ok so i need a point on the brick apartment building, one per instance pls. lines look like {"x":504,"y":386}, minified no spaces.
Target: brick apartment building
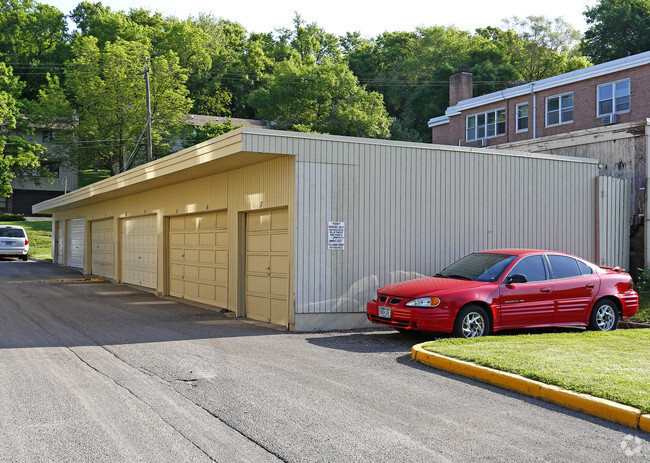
{"x":600,"y":112}
{"x":608,"y":93}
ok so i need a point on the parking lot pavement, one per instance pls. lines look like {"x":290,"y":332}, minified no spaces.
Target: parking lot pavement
{"x":95,"y":371}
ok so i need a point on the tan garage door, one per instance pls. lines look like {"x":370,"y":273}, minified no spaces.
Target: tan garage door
{"x":198,"y":251}
{"x":140,"y":251}
{"x":267,"y":266}
{"x":102,"y":248}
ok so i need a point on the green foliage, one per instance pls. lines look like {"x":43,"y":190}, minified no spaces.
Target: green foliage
{"x":11,"y":217}
{"x":88,"y":176}
{"x":617,"y":28}
{"x":329,"y":100}
{"x":18,"y":156}
{"x":207,"y":131}
{"x":109,"y":91}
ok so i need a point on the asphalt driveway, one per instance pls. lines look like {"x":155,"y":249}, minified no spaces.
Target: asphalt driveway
{"x":95,"y":371}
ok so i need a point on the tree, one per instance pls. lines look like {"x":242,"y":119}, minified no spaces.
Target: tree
{"x":617,"y":28}
{"x":196,"y":135}
{"x":109,"y":93}
{"x":18,"y":156}
{"x":325,"y":98}
{"x":32,"y":35}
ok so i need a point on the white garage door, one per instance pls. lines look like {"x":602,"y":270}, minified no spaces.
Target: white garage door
{"x":140,"y":251}
{"x":267,"y":266}
{"x":198,"y":250}
{"x":102,"y":248}
{"x":76,"y":242}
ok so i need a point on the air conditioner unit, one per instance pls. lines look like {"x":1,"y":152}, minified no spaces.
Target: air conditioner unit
{"x":481,"y":142}
{"x":609,"y":119}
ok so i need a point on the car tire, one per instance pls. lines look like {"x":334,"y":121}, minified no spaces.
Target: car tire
{"x":24,"y":257}
{"x":604,"y":316}
{"x":472,"y":322}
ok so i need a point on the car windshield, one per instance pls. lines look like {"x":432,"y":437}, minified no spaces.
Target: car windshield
{"x":11,"y":233}
{"x":480,"y":266}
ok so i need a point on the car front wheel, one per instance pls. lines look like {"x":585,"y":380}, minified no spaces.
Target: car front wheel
{"x":604,"y":316}
{"x":472,"y":322}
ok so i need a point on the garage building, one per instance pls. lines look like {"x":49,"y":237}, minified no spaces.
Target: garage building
{"x":300,"y":229}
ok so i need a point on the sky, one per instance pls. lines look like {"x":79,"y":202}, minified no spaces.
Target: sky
{"x":368,"y":18}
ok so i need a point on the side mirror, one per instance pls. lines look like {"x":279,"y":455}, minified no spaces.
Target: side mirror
{"x":516,"y":278}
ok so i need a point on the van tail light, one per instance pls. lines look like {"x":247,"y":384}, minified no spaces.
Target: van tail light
{"x":26,"y":241}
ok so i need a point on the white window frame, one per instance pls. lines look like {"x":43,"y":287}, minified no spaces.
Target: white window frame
{"x":517,"y":118}
{"x":560,"y":97}
{"x":613,"y":84}
{"x":495,"y":113}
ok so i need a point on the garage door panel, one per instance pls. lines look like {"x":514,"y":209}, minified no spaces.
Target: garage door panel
{"x":207,"y":257}
{"x":207,"y":239}
{"x":257,"y":263}
{"x":102,"y":248}
{"x":76,"y":243}
{"x":279,"y":264}
{"x":140,"y":251}
{"x":279,"y":312}
{"x":176,"y":270}
{"x":267,"y":266}
{"x":191,"y":255}
{"x":280,"y":219}
{"x":196,"y":248}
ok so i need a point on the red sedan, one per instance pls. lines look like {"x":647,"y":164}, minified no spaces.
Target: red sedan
{"x":502,"y":289}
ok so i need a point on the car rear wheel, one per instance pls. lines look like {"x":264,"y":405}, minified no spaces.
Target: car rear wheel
{"x":472,"y":322}
{"x":604,"y":316}
{"x":24,"y":257}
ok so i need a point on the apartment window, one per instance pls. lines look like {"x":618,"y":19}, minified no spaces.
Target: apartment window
{"x":48,"y":136}
{"x":486,"y":125}
{"x":522,"y":117}
{"x":3,"y":203}
{"x":614,"y":98}
{"x":559,"y":109}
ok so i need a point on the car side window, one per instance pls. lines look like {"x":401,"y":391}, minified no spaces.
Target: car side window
{"x":531,"y":267}
{"x":564,"y":267}
{"x":586,"y":270}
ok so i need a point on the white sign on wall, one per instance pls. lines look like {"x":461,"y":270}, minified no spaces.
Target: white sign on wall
{"x":336,"y":236}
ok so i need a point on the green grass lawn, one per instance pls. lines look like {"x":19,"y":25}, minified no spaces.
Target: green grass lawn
{"x":613,"y":365}
{"x":86,"y":177}
{"x":40,"y":237}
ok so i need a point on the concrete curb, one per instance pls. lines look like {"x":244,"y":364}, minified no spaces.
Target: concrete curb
{"x":602,"y":408}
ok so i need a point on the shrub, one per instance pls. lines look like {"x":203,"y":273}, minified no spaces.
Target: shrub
{"x":5,"y":217}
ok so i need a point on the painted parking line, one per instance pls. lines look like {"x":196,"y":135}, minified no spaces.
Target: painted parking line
{"x":75,"y":280}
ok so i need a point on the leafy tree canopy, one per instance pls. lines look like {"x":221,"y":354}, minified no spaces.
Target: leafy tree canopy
{"x":617,"y":28}
{"x":196,"y":135}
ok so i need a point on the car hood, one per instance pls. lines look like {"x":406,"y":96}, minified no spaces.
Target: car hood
{"x":428,"y":286}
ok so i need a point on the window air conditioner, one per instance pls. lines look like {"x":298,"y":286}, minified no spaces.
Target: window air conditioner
{"x":481,"y":142}
{"x":610,"y":119}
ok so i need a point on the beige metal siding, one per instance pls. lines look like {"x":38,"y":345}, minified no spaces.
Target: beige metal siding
{"x":102,"y":247}
{"x":140,"y":251}
{"x":614,"y":217}
{"x":410,"y":212}
{"x":60,"y":242}
{"x":198,"y":254}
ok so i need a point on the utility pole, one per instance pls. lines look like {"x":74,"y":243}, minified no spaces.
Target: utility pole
{"x":149,"y":139}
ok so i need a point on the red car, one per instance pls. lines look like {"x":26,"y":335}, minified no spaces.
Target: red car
{"x":502,"y":289}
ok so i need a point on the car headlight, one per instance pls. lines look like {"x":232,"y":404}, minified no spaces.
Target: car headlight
{"x":424,"y":302}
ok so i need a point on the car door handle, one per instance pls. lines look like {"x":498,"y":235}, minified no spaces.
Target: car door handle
{"x":590,"y":285}
{"x":545,"y":290}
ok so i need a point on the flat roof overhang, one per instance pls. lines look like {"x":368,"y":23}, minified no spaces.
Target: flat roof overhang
{"x":213,"y":156}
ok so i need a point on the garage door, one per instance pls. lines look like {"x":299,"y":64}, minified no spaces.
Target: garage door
{"x":199,"y":257}
{"x":76,"y":242}
{"x":102,"y":248}
{"x":140,"y":251}
{"x":267,"y":266}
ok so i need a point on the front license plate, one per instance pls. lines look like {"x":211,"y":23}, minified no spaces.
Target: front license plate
{"x":384,"y":312}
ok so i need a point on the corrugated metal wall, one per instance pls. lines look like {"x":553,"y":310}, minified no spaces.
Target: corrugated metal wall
{"x":614,"y":218}
{"x":409,"y":211}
